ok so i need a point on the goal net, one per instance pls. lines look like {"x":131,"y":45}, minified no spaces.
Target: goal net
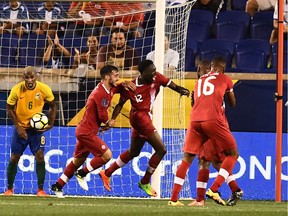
{"x":57,"y":40}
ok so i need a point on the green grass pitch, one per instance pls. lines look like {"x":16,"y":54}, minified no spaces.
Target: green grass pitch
{"x":32,"y":205}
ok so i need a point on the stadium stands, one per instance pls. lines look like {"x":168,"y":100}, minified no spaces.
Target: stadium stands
{"x":216,"y":47}
{"x":238,"y":5}
{"x":200,"y":23}
{"x":190,"y":56}
{"x":262,"y":25}
{"x":232,"y":25}
{"x":275,"y":55}
{"x":252,"y":55}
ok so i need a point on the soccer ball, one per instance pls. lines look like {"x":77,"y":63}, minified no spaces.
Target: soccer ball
{"x":39,"y":121}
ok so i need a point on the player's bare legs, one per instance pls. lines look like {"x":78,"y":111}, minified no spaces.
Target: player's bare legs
{"x":180,"y":178}
{"x":134,"y":150}
{"x":160,"y":150}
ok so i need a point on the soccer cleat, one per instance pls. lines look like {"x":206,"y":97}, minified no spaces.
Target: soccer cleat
{"x":234,"y":198}
{"x":42,"y":193}
{"x":82,"y":181}
{"x":57,"y":190}
{"x":177,"y":203}
{"x":195,"y":203}
{"x":105,"y":179}
{"x":215,"y":196}
{"x":147,"y":189}
{"x":9,"y":192}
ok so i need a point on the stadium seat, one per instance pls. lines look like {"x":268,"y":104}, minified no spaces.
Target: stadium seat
{"x":143,"y":46}
{"x":31,"y":50}
{"x":262,"y":25}
{"x":149,"y":23}
{"x":238,"y":5}
{"x":198,"y":31}
{"x":275,"y":55}
{"x":232,"y":25}
{"x":216,"y":47}
{"x":199,"y":26}
{"x":252,"y":54}
{"x":8,"y":50}
{"x":190,"y":55}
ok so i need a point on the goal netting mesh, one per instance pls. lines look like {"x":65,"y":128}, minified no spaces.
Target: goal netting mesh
{"x":53,"y":38}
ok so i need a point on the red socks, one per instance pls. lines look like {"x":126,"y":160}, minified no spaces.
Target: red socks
{"x":179,"y":180}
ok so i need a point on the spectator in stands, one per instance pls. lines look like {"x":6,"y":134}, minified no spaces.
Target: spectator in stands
{"x":14,"y":11}
{"x":274,"y":33}
{"x":118,"y":53}
{"x":88,"y":56}
{"x":61,"y":56}
{"x":171,"y":57}
{"x":131,"y":23}
{"x":47,"y":12}
{"x":252,"y":6}
{"x":213,"y":5}
{"x":87,"y":10}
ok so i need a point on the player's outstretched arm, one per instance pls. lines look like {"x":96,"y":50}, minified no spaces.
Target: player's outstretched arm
{"x":118,"y":108}
{"x":181,"y":90}
{"x":231,"y":98}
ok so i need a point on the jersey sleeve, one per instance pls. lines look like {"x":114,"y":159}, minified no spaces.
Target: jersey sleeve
{"x":229,"y":84}
{"x":102,"y":103}
{"x":48,"y":93}
{"x":163,"y":80}
{"x":13,"y":97}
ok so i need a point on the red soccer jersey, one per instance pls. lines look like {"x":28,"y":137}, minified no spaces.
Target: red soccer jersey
{"x":97,"y":107}
{"x":209,"y":94}
{"x":142,"y":99}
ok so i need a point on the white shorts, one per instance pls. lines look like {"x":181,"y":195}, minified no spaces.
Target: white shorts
{"x":266,"y":4}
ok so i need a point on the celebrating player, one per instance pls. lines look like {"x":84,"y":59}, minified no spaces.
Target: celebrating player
{"x":86,"y":132}
{"x":148,"y":85}
{"x":208,"y":121}
{"x":27,"y":98}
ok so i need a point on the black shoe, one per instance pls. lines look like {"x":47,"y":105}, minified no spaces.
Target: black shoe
{"x":234,"y":198}
{"x":57,"y":189}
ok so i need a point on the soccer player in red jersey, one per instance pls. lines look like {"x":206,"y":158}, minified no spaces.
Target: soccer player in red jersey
{"x":86,"y":132}
{"x":208,"y":121}
{"x":147,"y":87}
{"x":209,"y":154}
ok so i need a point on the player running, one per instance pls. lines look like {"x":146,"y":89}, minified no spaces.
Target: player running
{"x":147,"y":87}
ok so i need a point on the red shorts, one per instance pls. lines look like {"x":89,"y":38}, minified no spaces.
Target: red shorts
{"x":88,"y":142}
{"x":216,"y":130}
{"x":142,"y":125}
{"x":209,"y":153}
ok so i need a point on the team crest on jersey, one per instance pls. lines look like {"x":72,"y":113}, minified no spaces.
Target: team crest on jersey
{"x":105,"y":102}
{"x":37,"y":95}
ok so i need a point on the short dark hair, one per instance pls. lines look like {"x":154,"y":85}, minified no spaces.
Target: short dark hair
{"x":218,"y":59}
{"x":106,"y":70}
{"x":143,"y":65}
{"x":118,"y":30}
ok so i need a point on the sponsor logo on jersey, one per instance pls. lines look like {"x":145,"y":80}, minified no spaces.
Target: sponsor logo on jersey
{"x":37,"y":95}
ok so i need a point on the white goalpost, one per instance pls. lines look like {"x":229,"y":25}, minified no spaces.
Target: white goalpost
{"x":72,"y":83}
